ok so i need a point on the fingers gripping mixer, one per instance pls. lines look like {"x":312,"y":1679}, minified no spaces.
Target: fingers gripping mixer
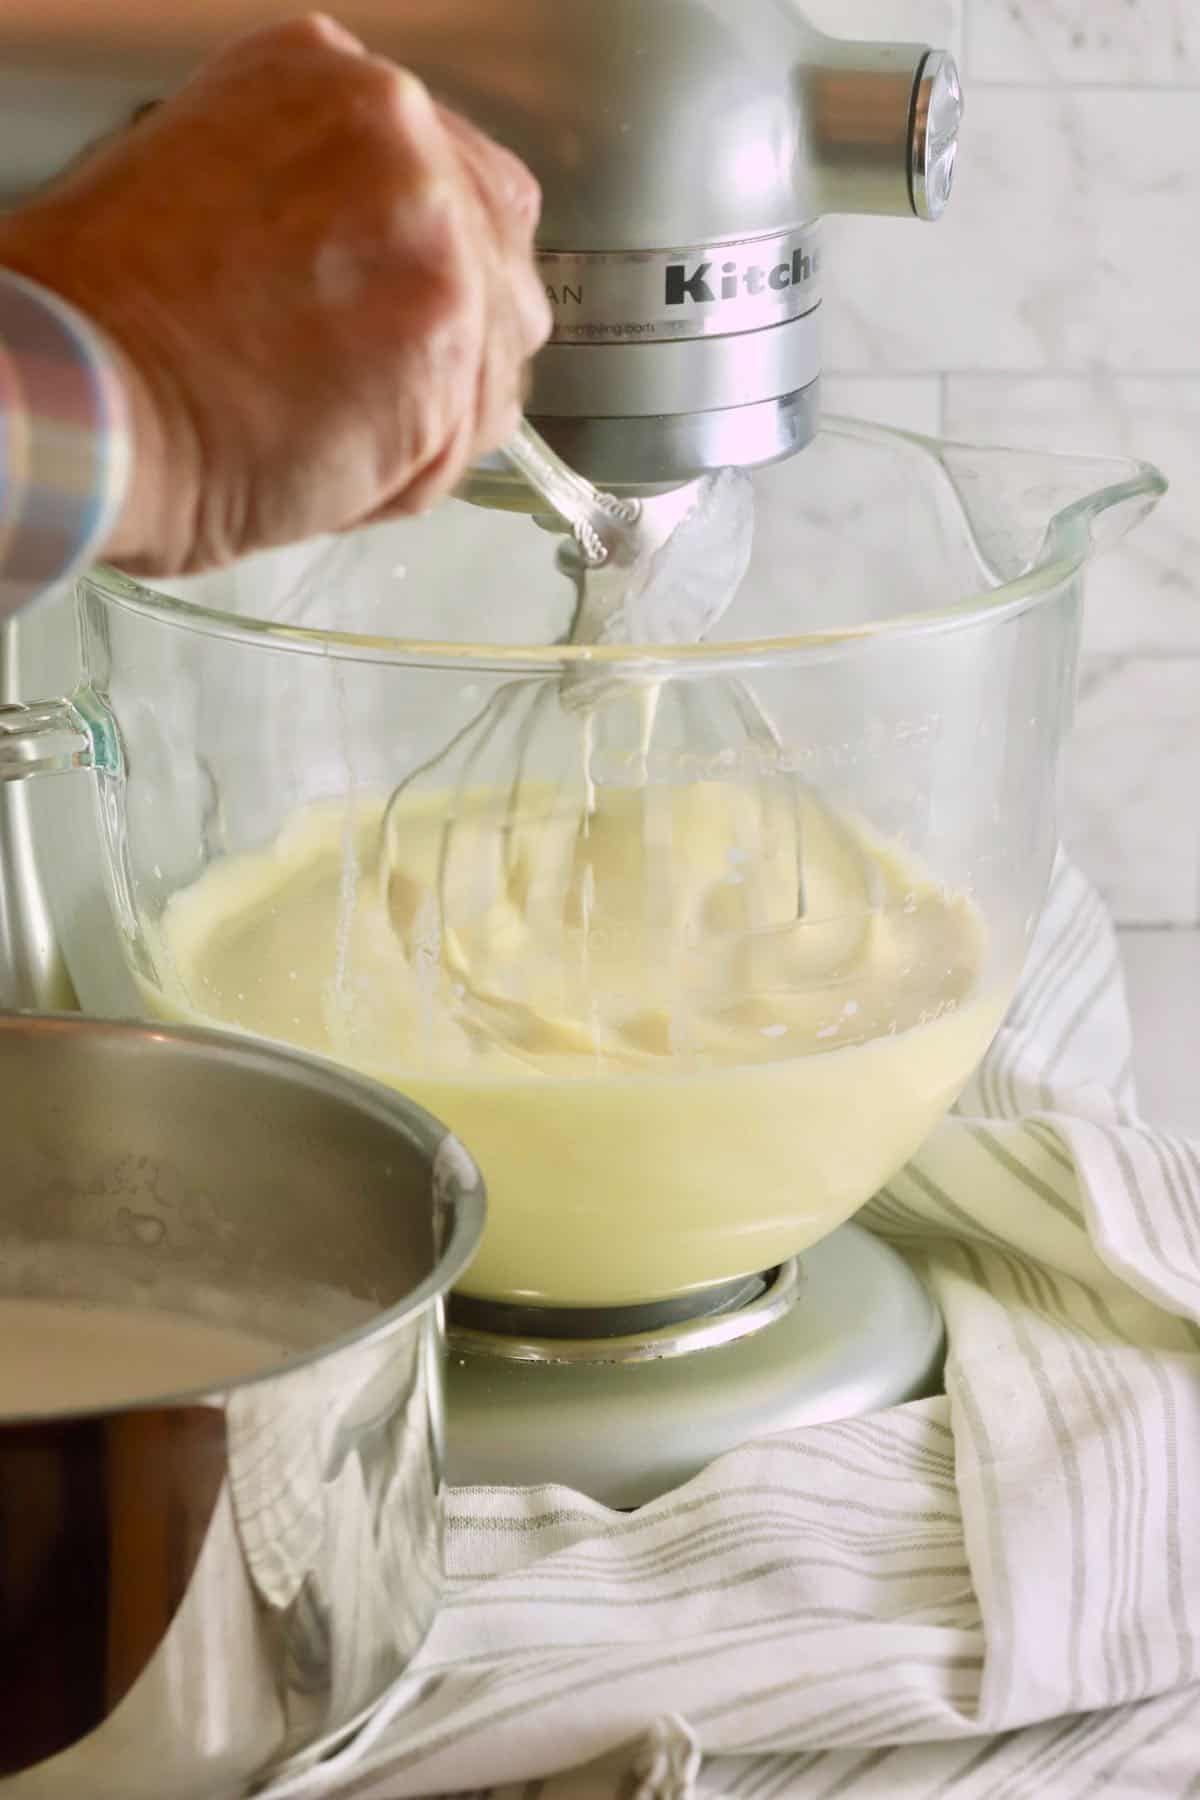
{"x":687,"y":150}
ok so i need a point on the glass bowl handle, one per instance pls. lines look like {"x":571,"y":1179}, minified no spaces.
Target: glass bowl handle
{"x":44,"y":737}
{"x":34,"y":740}
{"x":49,"y":737}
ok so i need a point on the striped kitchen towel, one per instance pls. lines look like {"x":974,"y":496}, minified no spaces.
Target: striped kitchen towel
{"x":994,"y":1593}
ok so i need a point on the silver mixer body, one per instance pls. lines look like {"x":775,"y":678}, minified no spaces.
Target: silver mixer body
{"x":686,"y":149}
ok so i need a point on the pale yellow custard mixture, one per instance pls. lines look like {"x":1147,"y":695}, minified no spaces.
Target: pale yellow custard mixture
{"x":666,"y":1079}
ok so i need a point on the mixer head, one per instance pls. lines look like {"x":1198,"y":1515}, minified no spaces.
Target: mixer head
{"x":686,"y":149}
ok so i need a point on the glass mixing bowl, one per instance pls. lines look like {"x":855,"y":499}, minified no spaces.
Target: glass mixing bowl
{"x":699,"y":962}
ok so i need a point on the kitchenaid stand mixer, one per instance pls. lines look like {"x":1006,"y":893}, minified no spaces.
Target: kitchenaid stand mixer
{"x":686,"y":151}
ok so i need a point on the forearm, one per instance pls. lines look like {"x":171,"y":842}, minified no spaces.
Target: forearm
{"x":64,"y":442}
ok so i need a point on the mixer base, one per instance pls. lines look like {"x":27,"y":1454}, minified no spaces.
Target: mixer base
{"x":862,"y":1335}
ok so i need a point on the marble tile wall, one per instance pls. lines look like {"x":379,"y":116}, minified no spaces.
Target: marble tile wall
{"x":1058,"y":305}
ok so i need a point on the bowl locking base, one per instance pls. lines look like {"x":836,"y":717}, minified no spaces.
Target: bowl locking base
{"x":626,"y":1414}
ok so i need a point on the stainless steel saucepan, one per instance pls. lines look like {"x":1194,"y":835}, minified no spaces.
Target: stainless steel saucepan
{"x":198,"y":1588}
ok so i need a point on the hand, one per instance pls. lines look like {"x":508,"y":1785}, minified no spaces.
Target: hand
{"x":320,"y":286}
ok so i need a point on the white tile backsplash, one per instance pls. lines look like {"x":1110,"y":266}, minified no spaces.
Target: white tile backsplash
{"x":1124,"y":42}
{"x":1143,"y":597}
{"x":934,"y":22}
{"x":1058,"y":305}
{"x":1131,"y":784}
{"x":907,"y":402}
{"x":1162,"y":986}
{"x":1069,"y":245}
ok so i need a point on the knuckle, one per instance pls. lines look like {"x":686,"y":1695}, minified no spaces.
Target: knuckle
{"x":314,"y":26}
{"x":391,"y":111}
{"x":447,"y":299}
{"x":312,"y":30}
{"x":402,"y":100}
{"x":499,"y":169}
{"x":399,"y":171}
{"x":512,"y":183}
{"x":320,"y":30}
{"x":441,"y":301}
{"x":525,"y":191}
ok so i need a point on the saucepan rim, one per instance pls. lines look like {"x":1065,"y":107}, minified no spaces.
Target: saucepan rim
{"x":448,"y":1161}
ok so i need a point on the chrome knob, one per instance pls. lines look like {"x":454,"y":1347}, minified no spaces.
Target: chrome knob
{"x":937,"y":115}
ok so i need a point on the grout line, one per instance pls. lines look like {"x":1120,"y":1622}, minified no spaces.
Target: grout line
{"x":1158,"y":928}
{"x":1129,"y":86}
{"x":1068,"y":374}
{"x":1174,"y":376}
{"x":1142,"y":654}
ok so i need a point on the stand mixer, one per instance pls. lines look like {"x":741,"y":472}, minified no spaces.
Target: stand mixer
{"x":686,"y":151}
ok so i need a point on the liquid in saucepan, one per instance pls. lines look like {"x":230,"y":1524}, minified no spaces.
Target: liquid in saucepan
{"x":69,"y":1355}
